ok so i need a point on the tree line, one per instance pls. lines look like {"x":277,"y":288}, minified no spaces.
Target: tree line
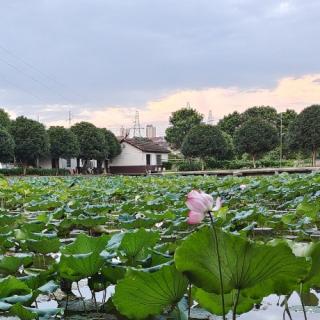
{"x":25,"y":141}
{"x":255,"y":132}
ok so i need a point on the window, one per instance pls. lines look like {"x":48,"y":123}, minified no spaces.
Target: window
{"x":69,"y":163}
{"x":148,"y":159}
{"x":159,"y":160}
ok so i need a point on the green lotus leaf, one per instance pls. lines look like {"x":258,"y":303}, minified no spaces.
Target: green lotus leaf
{"x":78,"y":266}
{"x":44,"y":246}
{"x":113,"y":273}
{"x":86,"y":244}
{"x":244,"y":264}
{"x":49,"y":287}
{"x":135,"y":245}
{"x":18,"y":299}
{"x":23,"y":313}
{"x":12,"y":286}
{"x":26,"y":313}
{"x":141,"y":293}
{"x":212,"y":301}
{"x":11,"y":264}
{"x":311,"y":251}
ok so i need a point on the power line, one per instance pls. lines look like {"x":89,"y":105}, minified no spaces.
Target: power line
{"x":29,"y":76}
{"x":47,"y":76}
{"x":23,"y":90}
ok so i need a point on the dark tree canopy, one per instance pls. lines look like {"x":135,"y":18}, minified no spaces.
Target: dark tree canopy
{"x":31,"y":140}
{"x":63,"y":143}
{"x":205,"y":141}
{"x":230,"y":122}
{"x":91,"y":141}
{"x":266,"y":113}
{"x":305,"y":132}
{"x":6,"y":146}
{"x":5,"y":121}
{"x":112,"y":144}
{"x":256,"y":137}
{"x":181,"y":121}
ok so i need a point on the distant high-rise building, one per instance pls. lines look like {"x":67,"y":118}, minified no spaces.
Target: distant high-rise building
{"x":151,"y":131}
{"x":210,"y":118}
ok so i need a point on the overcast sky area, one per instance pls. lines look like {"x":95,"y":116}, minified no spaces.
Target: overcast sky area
{"x":104,"y":59}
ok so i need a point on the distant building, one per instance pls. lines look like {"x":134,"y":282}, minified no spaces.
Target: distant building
{"x":151,"y":131}
{"x":139,"y":155}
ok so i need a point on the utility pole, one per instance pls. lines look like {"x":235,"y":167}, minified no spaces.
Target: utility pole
{"x":281,"y":131}
{"x":70,"y":118}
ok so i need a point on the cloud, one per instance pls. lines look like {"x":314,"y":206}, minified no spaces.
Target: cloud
{"x":125,"y":53}
{"x":289,"y":93}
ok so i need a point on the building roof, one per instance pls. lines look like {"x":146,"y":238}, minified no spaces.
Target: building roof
{"x":146,"y":145}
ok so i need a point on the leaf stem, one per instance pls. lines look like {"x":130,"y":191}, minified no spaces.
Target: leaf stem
{"x":189,"y":301}
{"x":82,"y":298}
{"x":219,"y":266}
{"x":302,"y":303}
{"x":234,"y":310}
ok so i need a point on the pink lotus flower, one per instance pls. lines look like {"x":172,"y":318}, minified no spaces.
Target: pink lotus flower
{"x":199,"y":204}
{"x":242,"y":186}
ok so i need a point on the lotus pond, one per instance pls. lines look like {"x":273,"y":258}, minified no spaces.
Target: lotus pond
{"x":121,"y":248}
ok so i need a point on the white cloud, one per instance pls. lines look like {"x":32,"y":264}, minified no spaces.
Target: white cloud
{"x":290,"y":92}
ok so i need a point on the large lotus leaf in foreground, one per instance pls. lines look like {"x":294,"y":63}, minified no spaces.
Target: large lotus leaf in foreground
{"x":135,"y":245}
{"x":143,"y":293}
{"x":212,"y":301}
{"x":244,"y":264}
{"x":82,"y":258}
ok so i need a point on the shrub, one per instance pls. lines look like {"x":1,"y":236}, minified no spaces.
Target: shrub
{"x":35,"y":172}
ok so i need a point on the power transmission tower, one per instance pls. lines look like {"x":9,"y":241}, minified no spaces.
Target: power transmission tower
{"x":210,"y":118}
{"x":136,"y":125}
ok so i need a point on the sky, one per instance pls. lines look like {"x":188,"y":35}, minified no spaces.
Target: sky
{"x":106,"y":59}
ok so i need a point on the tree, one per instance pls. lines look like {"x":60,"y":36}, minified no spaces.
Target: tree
{"x":205,"y":141}
{"x":265,"y":113}
{"x":5,"y":121}
{"x":91,"y":141}
{"x":31,"y":141}
{"x":63,"y":144}
{"x":256,"y":137}
{"x":181,"y":122}
{"x":113,"y":145}
{"x":6,"y":146}
{"x":230,"y":123}
{"x":305,"y":132}
{"x":112,"y":148}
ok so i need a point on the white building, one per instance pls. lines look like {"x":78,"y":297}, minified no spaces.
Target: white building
{"x":70,"y":163}
{"x":139,"y":155}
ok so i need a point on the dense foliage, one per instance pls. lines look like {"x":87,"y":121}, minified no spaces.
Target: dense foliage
{"x":131,"y":234}
{"x":205,"y":141}
{"x":5,"y":121}
{"x":63,"y":144}
{"x":31,"y":140}
{"x":6,"y":146}
{"x":181,"y":122}
{"x":91,"y":141}
{"x":256,"y":137}
{"x":305,"y":132}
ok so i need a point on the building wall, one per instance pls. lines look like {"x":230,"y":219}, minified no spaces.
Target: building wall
{"x":45,"y":163}
{"x":130,"y":156}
